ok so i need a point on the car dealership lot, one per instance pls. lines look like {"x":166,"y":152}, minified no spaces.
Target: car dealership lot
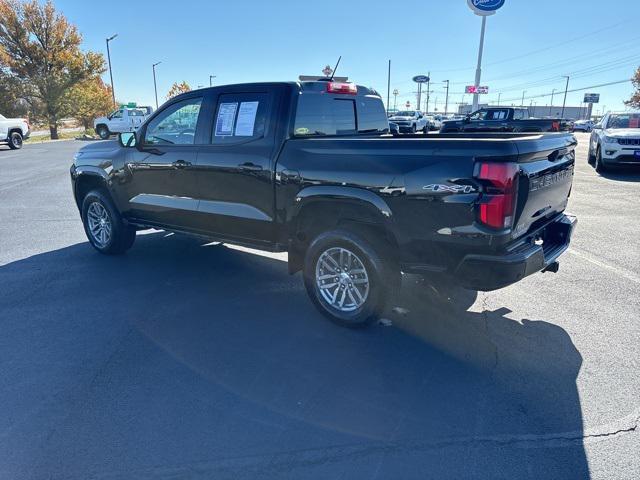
{"x":184,"y":360}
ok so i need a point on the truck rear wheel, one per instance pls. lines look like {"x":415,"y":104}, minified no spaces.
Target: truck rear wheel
{"x":346,"y":278}
{"x":103,"y":132}
{"x":15,"y":140}
{"x":103,"y":225}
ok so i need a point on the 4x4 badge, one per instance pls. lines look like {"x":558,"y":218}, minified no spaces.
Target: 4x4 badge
{"x":438,"y":188}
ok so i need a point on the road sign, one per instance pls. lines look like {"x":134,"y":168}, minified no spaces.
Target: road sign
{"x":591,"y":98}
{"x":408,"y":104}
{"x":485,"y":7}
{"x":421,"y":79}
{"x":482,"y":90}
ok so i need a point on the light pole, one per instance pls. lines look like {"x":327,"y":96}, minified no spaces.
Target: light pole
{"x":388,"y":84}
{"x":446,"y":100}
{"x":113,"y":90}
{"x":499,"y":95}
{"x":522,"y":102}
{"x":211,"y":77}
{"x":395,"y":99}
{"x":155,"y":85}
{"x":566,"y":87}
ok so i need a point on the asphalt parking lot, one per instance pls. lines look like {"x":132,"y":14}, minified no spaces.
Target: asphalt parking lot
{"x":186,"y":360}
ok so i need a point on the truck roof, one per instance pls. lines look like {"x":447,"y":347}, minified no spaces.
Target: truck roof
{"x":306,"y":86}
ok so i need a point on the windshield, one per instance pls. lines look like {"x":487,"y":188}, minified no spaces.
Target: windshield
{"x":405,"y":114}
{"x":624,"y":120}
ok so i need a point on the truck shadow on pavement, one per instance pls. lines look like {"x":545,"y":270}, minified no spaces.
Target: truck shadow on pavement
{"x":183,"y":360}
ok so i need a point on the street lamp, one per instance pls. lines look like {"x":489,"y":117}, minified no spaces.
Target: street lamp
{"x":211,"y":77}
{"x":499,"y":95}
{"x":522,"y":102}
{"x":155,"y":85}
{"x":113,"y":90}
{"x":395,"y":99}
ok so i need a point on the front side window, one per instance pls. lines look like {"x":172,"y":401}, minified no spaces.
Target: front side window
{"x":479,"y":115}
{"x":176,"y":125}
{"x":497,"y":115}
{"x":117,"y":114}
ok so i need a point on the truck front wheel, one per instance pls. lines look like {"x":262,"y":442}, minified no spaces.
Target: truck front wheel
{"x":15,"y":140}
{"x":103,"y":132}
{"x":346,"y":278}
{"x":104,"y":226}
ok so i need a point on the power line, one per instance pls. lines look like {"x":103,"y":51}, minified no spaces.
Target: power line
{"x":570,"y":91}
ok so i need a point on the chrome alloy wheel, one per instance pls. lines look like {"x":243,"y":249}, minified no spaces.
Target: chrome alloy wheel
{"x":342,"y":279}
{"x":99,"y":224}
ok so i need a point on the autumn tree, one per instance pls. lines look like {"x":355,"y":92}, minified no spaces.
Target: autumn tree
{"x":40,"y":46}
{"x":634,"y":101}
{"x":177,"y":89}
{"x":87,"y":100}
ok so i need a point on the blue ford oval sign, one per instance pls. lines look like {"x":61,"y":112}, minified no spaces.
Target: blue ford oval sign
{"x":421,"y":79}
{"x":485,"y":7}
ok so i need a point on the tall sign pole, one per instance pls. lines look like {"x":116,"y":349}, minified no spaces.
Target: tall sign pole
{"x":155,"y":85}
{"x":483,"y":8}
{"x":420,"y":79}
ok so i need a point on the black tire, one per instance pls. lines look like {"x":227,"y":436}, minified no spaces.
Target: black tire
{"x":121,"y":236}
{"x":425,"y":130}
{"x":103,"y":132}
{"x":413,"y":128}
{"x":599,"y":165}
{"x":381,"y":278}
{"x":590,"y":156}
{"x":15,"y":140}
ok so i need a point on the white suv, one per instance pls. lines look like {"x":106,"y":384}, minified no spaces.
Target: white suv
{"x":615,"y":140}
{"x":13,"y":131}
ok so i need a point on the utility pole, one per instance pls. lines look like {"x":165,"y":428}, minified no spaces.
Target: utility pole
{"x":446,"y":101}
{"x":499,"y":95}
{"x":522,"y":102}
{"x":211,"y":77}
{"x":388,"y":85}
{"x":479,"y":66}
{"x":155,"y":85}
{"x":113,"y":90}
{"x":566,"y":87}
{"x":551,"y":106}
{"x":395,"y":100}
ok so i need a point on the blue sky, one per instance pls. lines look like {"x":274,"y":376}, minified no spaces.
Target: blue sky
{"x":529,"y":45}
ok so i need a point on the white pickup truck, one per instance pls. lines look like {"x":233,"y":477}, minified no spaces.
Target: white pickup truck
{"x":125,"y":119}
{"x":13,"y":131}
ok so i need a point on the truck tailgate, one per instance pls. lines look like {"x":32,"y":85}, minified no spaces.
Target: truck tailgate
{"x":546,"y":174}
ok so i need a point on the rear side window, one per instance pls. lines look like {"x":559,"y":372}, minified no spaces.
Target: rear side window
{"x":496,"y":115}
{"x":322,"y":114}
{"x":240,"y":117}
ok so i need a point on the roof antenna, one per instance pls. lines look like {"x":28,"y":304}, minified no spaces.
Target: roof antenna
{"x":335,"y":68}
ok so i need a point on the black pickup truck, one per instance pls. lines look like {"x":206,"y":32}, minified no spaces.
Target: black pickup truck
{"x":310,"y":168}
{"x":504,"y":119}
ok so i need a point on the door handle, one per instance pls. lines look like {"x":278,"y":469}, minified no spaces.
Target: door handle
{"x":250,"y":167}
{"x":180,"y":164}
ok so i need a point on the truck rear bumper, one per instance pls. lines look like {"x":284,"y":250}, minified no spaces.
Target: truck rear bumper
{"x":491,"y":272}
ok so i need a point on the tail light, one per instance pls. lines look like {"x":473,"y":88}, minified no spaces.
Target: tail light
{"x":342,"y":87}
{"x":555,"y":126}
{"x":498,"y":203}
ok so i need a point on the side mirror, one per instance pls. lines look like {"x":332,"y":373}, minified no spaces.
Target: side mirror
{"x":127,"y":139}
{"x":597,"y":126}
{"x":467,"y":118}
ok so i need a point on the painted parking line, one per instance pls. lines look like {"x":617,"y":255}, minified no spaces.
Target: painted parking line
{"x":620,"y":271}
